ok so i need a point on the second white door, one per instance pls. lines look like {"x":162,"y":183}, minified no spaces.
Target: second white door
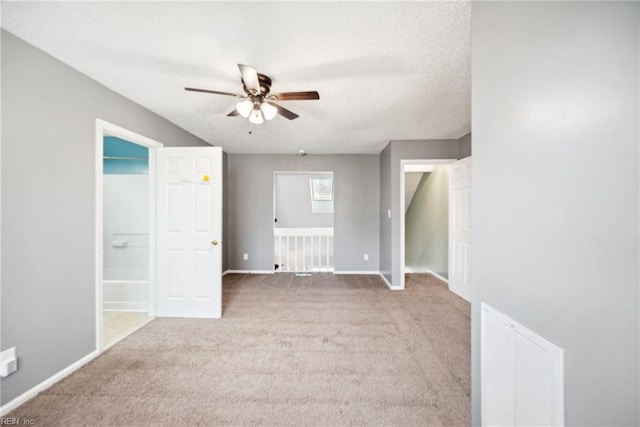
{"x":189,"y":232}
{"x":460,"y":249}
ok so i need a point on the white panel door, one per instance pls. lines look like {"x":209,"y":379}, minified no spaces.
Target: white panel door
{"x":460,"y":249}
{"x":189,"y":237}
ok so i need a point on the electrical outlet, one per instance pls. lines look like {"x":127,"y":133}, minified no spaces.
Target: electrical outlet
{"x":366,"y":257}
{"x":389,"y":213}
{"x":246,"y":256}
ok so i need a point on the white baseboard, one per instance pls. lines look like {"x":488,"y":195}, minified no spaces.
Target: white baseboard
{"x":463,"y":291}
{"x":389,"y":285}
{"x":439,"y":277}
{"x":10,"y":406}
{"x":424,"y":270}
{"x":365,"y":272}
{"x":247,"y":272}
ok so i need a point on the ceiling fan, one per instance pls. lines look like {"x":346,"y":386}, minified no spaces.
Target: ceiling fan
{"x":257,"y":104}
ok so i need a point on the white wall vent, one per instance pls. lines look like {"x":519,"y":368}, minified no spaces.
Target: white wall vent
{"x":522,"y":374}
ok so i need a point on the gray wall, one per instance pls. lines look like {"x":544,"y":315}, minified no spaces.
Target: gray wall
{"x":555,"y":176}
{"x":411,"y":182}
{"x":385,"y":207}
{"x":225,"y":216}
{"x":293,"y":201}
{"x":427,"y":224}
{"x":390,"y":196}
{"x":250,"y":207}
{"x":48,"y":197}
{"x":464,"y":145}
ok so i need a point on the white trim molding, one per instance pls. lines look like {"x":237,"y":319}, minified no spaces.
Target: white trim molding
{"x":247,"y":272}
{"x":439,"y":277}
{"x":344,"y":272}
{"x":389,"y":285}
{"x":24,"y":397}
{"x":363,"y":272}
{"x":409,"y":165}
{"x":409,"y":270}
{"x":306,"y":231}
{"x":104,"y":128}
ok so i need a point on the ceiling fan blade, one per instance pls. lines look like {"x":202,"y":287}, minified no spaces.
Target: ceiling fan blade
{"x":250,"y":78}
{"x":233,"y":113}
{"x":216,"y":92}
{"x":284,"y":112}
{"x":295,"y":96}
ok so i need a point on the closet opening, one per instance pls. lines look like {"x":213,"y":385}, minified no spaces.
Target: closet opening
{"x":126,"y":251}
{"x":125,"y":232}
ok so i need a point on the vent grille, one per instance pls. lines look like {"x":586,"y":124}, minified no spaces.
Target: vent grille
{"x":522,"y":374}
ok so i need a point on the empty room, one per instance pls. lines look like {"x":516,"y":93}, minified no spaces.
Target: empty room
{"x":412,"y":213}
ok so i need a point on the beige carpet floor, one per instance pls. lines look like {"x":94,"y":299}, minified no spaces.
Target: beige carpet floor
{"x":323,"y":350}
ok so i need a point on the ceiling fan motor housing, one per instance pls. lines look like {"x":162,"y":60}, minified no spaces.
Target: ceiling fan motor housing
{"x":258,"y":100}
{"x":265,"y":85}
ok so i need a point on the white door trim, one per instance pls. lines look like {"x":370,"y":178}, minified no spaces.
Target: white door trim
{"x":275,"y":200}
{"x":104,"y":128}
{"x":408,"y":165}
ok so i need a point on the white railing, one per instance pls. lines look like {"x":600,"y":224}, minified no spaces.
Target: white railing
{"x":303,"y":249}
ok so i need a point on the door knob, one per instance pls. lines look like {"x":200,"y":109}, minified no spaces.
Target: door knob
{"x":214,"y":242}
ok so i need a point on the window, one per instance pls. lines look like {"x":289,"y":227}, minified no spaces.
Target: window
{"x":321,"y":189}
{"x":321,"y":195}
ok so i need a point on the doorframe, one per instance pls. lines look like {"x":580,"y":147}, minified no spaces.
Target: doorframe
{"x":275,"y":200}
{"x":403,"y":163}
{"x":105,"y":128}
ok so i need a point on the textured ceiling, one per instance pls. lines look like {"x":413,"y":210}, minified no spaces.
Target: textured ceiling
{"x":384,"y":70}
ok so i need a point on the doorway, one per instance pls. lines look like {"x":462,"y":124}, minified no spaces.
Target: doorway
{"x":427,"y":220}
{"x":424,"y":218}
{"x":184,"y":228}
{"x":125,"y":190}
{"x":126,"y":252}
{"x":303,"y":207}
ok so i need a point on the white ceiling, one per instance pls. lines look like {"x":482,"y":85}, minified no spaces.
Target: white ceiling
{"x":384,"y":70}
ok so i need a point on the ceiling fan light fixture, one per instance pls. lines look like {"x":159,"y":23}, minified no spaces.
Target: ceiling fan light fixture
{"x":256,"y":117}
{"x":268,"y":110}
{"x":245,"y":107}
{"x":256,"y":104}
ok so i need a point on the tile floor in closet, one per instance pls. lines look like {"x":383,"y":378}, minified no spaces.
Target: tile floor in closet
{"x":119,"y":324}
